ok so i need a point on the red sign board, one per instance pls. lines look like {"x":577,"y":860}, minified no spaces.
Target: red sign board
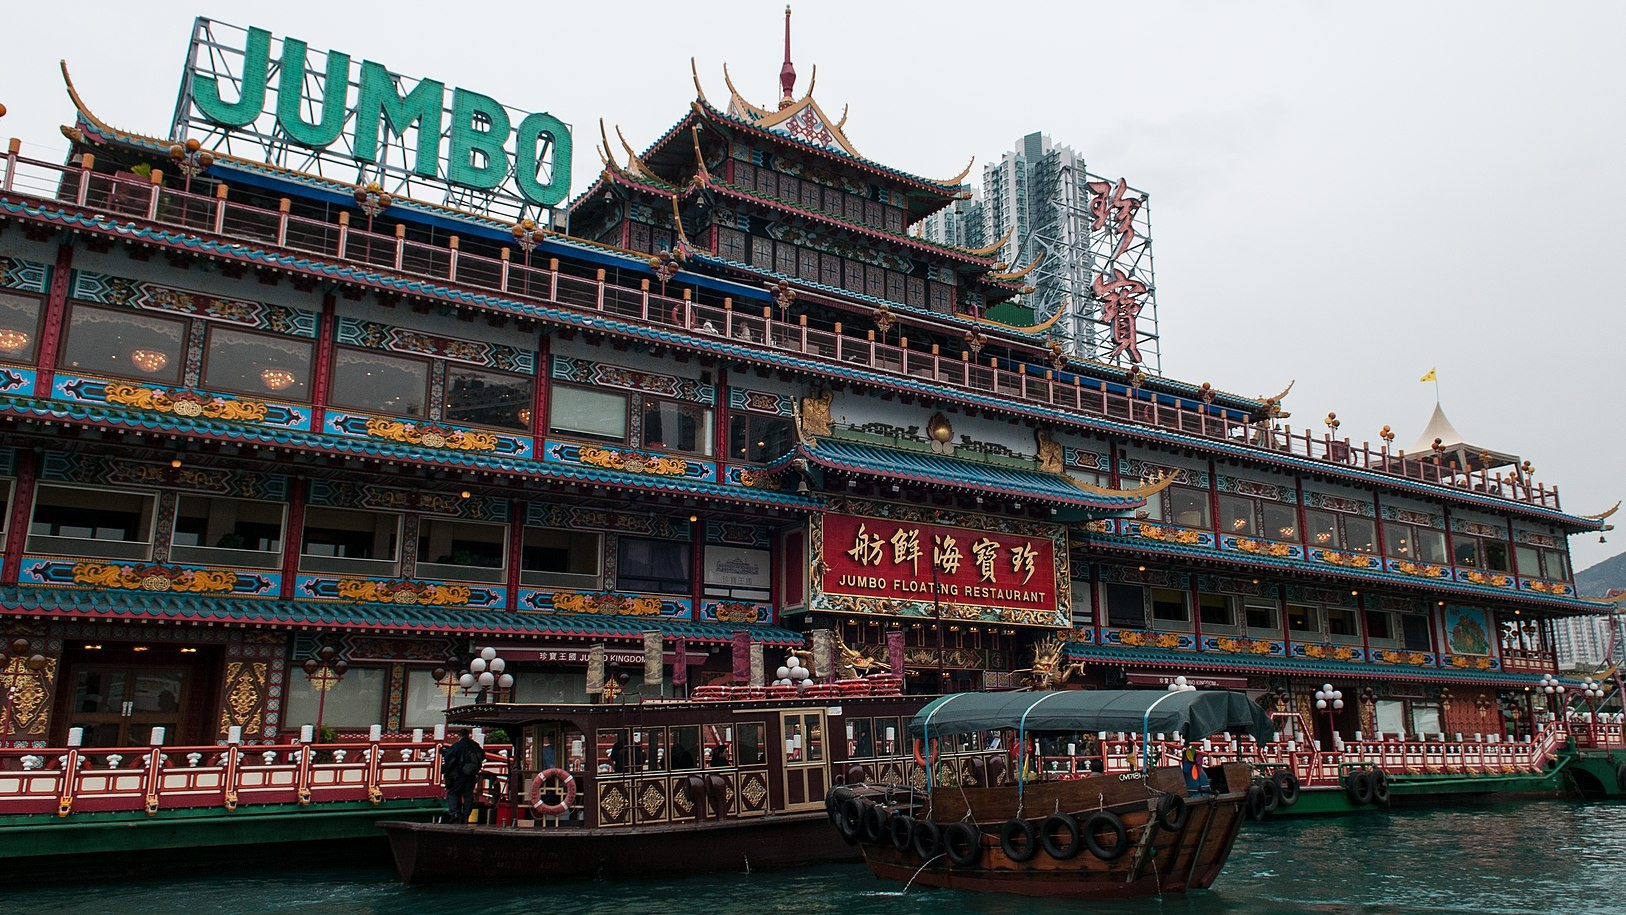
{"x":909,"y":560}
{"x":1208,"y":681}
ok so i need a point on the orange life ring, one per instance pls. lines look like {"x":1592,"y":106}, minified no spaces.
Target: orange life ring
{"x":932,"y":749}
{"x":542,"y":809}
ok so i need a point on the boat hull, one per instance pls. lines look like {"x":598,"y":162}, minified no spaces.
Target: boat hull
{"x":1156,"y":856}
{"x":433,"y":852}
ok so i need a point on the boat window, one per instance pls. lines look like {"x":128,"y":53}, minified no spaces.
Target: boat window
{"x":561,"y":558}
{"x":462,"y":550}
{"x":1390,"y":717}
{"x":19,"y":327}
{"x":379,"y":382}
{"x":91,"y":522}
{"x":804,"y":739}
{"x":685,"y":747}
{"x":751,"y":738}
{"x":887,"y":732}
{"x":649,"y":745}
{"x":1281,"y":522}
{"x":486,"y":398}
{"x":1342,"y":622}
{"x":1323,"y":529}
{"x":1556,"y":564}
{"x":860,"y":738}
{"x":123,"y":342}
{"x":1380,"y":626}
{"x":1187,"y":507}
{"x":356,"y":701}
{"x":657,"y":566}
{"x":1360,"y":534}
{"x":1414,"y":633}
{"x":1261,"y":616}
{"x":260,"y":365}
{"x":618,"y":753}
{"x":588,"y":413}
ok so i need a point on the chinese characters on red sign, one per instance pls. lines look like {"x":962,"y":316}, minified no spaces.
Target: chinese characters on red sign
{"x":1109,"y":205}
{"x":907,"y":560}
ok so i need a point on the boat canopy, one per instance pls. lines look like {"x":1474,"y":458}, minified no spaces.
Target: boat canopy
{"x":1192,"y":714}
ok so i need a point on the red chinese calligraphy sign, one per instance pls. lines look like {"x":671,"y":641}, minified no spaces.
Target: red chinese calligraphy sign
{"x":914,"y":561}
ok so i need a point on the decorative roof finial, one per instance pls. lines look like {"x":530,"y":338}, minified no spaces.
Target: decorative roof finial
{"x":787,"y":73}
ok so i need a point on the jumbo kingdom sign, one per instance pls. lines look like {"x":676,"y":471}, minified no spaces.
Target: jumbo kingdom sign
{"x":249,"y":94}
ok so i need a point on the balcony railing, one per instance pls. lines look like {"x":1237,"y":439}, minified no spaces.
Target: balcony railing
{"x":1031,"y":384}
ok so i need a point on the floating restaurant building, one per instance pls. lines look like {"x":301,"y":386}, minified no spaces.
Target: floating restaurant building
{"x":297,"y":411}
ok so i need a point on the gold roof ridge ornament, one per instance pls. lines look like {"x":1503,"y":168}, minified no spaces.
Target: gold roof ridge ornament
{"x":695,"y":72}
{"x":702,"y":178}
{"x":812,"y":417}
{"x":737,"y":98}
{"x":1154,"y":485}
{"x":1600,"y":516}
{"x":1018,"y":274}
{"x":992,"y":249}
{"x":954,"y":181}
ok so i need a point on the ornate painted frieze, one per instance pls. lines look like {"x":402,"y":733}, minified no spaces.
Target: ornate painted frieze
{"x":24,"y":275}
{"x":181,"y":402}
{"x":629,"y":460}
{"x":765,"y":402}
{"x":439,"y":436}
{"x":1403,"y":656}
{"x":1333,"y":503}
{"x":735,"y":611}
{"x":1131,"y":469}
{"x":337,"y":494}
{"x":1418,"y":569}
{"x":113,"y":290}
{"x":1258,"y":546}
{"x":1255,"y":489}
{"x":1328,"y":651}
{"x":1490,"y":579}
{"x":1225,"y":584}
{"x":1133,"y":575}
{"x":1226,"y":644}
{"x":405,"y":591}
{"x":737,"y":533}
{"x":1412,"y":516}
{"x":147,"y":576}
{"x":1165,"y":533}
{"x":585,"y":518}
{"x":1332,"y":597}
{"x":1149,"y":638}
{"x":83,"y":468}
{"x":1478,"y":528}
{"x":606,"y":603}
{"x":606,"y":375}
{"x":749,"y":476}
{"x":373,"y":335}
{"x":1346,"y":560}
{"x":1088,"y":460}
{"x":1551,"y":588}
{"x":17,"y":380}
{"x":1535,"y":539}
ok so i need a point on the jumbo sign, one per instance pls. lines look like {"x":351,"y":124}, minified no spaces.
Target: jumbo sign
{"x":469,"y":140}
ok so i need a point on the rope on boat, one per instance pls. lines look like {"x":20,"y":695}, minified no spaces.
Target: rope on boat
{"x":918,"y":871}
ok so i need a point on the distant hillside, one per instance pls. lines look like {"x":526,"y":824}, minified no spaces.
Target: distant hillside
{"x":1598,"y":580}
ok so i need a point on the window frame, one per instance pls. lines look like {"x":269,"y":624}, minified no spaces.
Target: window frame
{"x":539,"y":578}
{"x":229,"y":556}
{"x":176,"y":359}
{"x":29,"y":352}
{"x":521,"y":424}
{"x":621,"y":564}
{"x":143,"y":554}
{"x":334,"y":393}
{"x":453,"y":571}
{"x":349,"y":565}
{"x":211,"y":328}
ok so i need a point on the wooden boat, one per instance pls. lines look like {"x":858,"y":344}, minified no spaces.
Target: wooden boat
{"x":662,"y":786}
{"x":997,"y":825}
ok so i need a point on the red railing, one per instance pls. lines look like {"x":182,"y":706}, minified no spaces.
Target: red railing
{"x":149,"y":200}
{"x":63,"y":781}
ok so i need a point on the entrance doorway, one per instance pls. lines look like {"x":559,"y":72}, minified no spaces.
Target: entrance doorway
{"x":806,"y":765}
{"x":119,"y":706}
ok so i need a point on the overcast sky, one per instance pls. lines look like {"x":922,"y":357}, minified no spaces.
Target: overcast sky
{"x":1343,"y":194}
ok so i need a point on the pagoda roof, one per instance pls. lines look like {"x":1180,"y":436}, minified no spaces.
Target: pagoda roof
{"x":943,"y":471}
{"x":137,"y":606}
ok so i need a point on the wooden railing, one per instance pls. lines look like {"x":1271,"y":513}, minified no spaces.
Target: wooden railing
{"x":64,"y":781}
{"x":1006,"y":379}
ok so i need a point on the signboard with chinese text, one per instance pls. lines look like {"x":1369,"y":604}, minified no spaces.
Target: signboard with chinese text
{"x":915,"y":567}
{"x":1202,"y":681}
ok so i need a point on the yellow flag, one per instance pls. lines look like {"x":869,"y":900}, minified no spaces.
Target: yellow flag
{"x":1429,"y":377}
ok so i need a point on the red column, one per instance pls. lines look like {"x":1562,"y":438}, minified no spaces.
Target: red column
{"x":21,"y":500}
{"x":293,"y":538}
{"x":326,"y":332}
{"x":56,"y":308}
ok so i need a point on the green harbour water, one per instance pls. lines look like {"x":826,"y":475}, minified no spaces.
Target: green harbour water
{"x":1546,"y":856}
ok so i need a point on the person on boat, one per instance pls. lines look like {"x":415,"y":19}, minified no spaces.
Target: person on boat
{"x":1191,"y":766}
{"x":682,"y":755}
{"x":719,"y":756}
{"x":460,"y":770}
{"x":618,"y":753}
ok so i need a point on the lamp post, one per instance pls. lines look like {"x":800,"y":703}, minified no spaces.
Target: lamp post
{"x":372,"y":200}
{"x":446,"y":679}
{"x":1331,"y":701}
{"x":325,"y":670}
{"x":1554,"y":691}
{"x":527,"y":234}
{"x":486,"y":671}
{"x":191,"y":159}
{"x":1592,"y":691}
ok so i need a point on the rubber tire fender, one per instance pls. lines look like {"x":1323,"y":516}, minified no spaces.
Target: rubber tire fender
{"x":1361,"y":788}
{"x":1620,"y":776}
{"x":1068,"y":827}
{"x":1287,"y":785}
{"x":850,"y":819}
{"x":1107,"y":821}
{"x":1030,"y":840}
{"x":928,"y":839}
{"x":1171,"y":812}
{"x":901,"y":830}
{"x":872,"y":826}
{"x":1273,"y":796}
{"x":1380,"y":787}
{"x":833,"y":801}
{"x":1254,"y":804}
{"x":963,"y":844}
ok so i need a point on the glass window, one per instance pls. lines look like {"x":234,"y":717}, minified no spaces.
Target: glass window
{"x":1169,"y":605}
{"x":1302,"y":619}
{"x":1556,"y":564}
{"x":685,"y":747}
{"x":1126,"y":605}
{"x":19,"y":327}
{"x":1323,"y":529}
{"x":1496,"y":556}
{"x":1342,"y":622}
{"x":1187,"y":507}
{"x":1360,"y":534}
{"x":484,"y":398}
{"x":1216,"y":609}
{"x":1236,"y":516}
{"x":1465,"y":550}
{"x":357,"y":701}
{"x":1425,"y":718}
{"x":758,"y":439}
{"x":1390,"y":718}
{"x":1414,"y":634}
{"x":1529,"y":561}
{"x":750,"y":741}
{"x":1281,"y":522}
{"x":5,"y":507}
{"x":673,"y":426}
{"x":594,"y":414}
{"x":657,"y":566}
{"x":379,"y":382}
{"x":426,"y":702}
{"x":561,"y":558}
{"x":461,"y":550}
{"x":1430,"y":545}
{"x":125,"y":343}
{"x":1261,"y":616}
{"x":1397,"y":541}
{"x":263,"y":365}
{"x":91,"y":522}
{"x":209,"y":529}
{"x":1379,"y":626}
{"x":344,"y":541}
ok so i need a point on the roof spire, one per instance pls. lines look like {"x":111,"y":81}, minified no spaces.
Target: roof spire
{"x":787,"y":73}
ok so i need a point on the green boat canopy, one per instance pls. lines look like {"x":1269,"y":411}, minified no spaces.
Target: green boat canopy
{"x":1192,"y":714}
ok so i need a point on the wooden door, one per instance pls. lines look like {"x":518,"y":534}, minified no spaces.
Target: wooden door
{"x":806,"y":756}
